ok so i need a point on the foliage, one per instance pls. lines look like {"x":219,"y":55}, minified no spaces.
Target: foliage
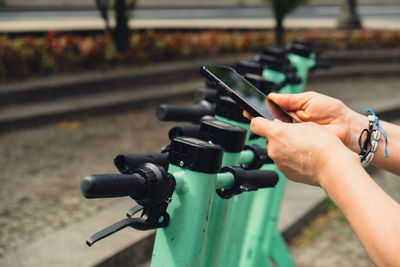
{"x":330,"y":205}
{"x":54,"y":53}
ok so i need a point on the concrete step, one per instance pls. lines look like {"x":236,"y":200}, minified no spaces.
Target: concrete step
{"x":353,"y":71}
{"x":54,"y":87}
{"x":32,"y":115}
{"x":360,"y":57}
{"x":35,"y":102}
{"x":92,"y":103}
{"x":42,"y":89}
{"x":380,"y":94}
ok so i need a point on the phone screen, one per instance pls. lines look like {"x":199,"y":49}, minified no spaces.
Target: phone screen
{"x":249,"y":94}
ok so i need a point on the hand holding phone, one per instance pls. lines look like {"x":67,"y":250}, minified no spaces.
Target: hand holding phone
{"x":245,"y":94}
{"x":279,"y":113}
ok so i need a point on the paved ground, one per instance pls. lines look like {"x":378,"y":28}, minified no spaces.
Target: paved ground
{"x":202,"y":12}
{"x":192,"y":15}
{"x":177,"y":2}
{"x":41,"y":170}
{"x":329,"y":240}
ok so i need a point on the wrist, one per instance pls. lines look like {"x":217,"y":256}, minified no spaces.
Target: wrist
{"x":357,"y":123}
{"x":336,"y":162}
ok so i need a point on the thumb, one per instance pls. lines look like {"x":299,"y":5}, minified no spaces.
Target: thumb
{"x":263,"y":127}
{"x":290,"y":102}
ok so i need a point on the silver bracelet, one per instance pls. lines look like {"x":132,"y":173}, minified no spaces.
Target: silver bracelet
{"x":372,"y":139}
{"x":366,"y":160}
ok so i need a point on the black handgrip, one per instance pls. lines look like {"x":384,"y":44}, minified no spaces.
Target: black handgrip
{"x":169,"y":112}
{"x":260,"y":83}
{"x":260,"y":157}
{"x":262,"y":178}
{"x":303,"y":42}
{"x":129,"y":162}
{"x":210,"y":84}
{"x":248,"y":66}
{"x":113,"y":185}
{"x":273,"y":63}
{"x":208,"y":94}
{"x":322,"y":63}
{"x":189,"y":130}
{"x":292,"y":78}
{"x":290,"y":68}
{"x":247,"y":181}
{"x":275,"y":51}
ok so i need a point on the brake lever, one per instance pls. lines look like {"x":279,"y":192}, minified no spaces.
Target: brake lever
{"x":153,"y":217}
{"x":134,"y":210}
{"x":111,"y":230}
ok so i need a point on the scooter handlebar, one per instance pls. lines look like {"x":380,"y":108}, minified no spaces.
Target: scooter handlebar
{"x":248,"y":181}
{"x":208,"y":94}
{"x":129,"y":162}
{"x":169,"y":112}
{"x":113,"y":185}
{"x":322,"y":63}
{"x":189,"y":130}
{"x":262,"y":178}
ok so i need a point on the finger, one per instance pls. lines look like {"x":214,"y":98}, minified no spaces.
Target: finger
{"x":263,"y":126}
{"x":291,"y":102}
{"x":247,"y":115}
{"x":295,"y":116}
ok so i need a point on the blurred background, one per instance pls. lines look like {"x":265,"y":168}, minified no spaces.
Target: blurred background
{"x":80,"y":81}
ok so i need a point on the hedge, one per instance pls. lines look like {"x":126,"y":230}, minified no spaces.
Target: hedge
{"x":57,"y":52}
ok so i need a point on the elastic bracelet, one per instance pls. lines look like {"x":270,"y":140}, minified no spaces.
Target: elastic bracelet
{"x":369,"y":146}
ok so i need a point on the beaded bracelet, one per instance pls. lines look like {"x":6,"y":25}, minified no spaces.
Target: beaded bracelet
{"x":369,"y":146}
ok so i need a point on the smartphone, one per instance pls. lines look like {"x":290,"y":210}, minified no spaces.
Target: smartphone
{"x":245,"y":94}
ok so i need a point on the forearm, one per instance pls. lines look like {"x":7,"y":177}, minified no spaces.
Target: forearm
{"x":359,"y":122}
{"x":373,"y":215}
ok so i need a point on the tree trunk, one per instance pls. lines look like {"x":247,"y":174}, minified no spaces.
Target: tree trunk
{"x":279,"y":13}
{"x":349,"y":18}
{"x":121,"y":32}
{"x":279,"y":31}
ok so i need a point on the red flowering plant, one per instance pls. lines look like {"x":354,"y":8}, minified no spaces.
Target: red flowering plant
{"x":56,"y":52}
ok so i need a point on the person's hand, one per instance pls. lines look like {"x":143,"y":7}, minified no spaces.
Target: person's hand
{"x":304,"y":152}
{"x":326,"y":111}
